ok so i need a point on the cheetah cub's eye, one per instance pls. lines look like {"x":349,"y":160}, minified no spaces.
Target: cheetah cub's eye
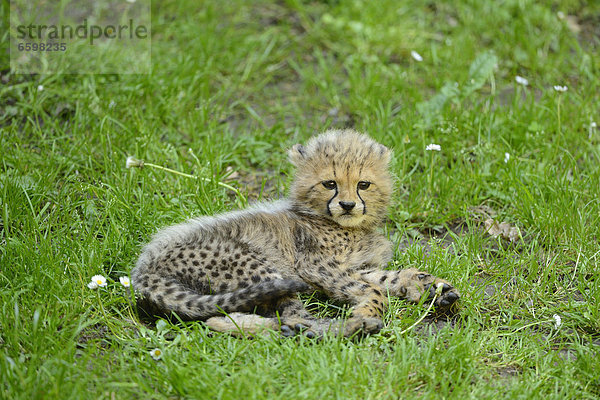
{"x":329,"y":185}
{"x":363,"y":185}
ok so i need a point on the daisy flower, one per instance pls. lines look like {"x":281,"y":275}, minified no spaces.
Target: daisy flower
{"x":124,"y":281}
{"x":40,"y":88}
{"x":133,"y":162}
{"x":92,"y":285}
{"x":557,"y":321}
{"x":521,"y":81}
{"x":506,"y":157}
{"x":156,"y":353}
{"x":416,"y":56}
{"x":560,"y":89}
{"x":434,"y":147}
{"x":98,"y":280}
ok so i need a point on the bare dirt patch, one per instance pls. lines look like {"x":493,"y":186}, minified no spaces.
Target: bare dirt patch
{"x":587,"y":29}
{"x":258,"y":184}
{"x":97,"y":333}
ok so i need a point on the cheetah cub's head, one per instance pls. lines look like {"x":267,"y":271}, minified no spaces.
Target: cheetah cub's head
{"x":342,"y":175}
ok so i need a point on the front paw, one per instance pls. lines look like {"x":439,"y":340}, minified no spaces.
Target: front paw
{"x":362,"y":326}
{"x":445,"y":292}
{"x":424,"y":284}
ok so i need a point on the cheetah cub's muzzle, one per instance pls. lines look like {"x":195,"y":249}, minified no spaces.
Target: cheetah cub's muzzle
{"x":346,"y":205}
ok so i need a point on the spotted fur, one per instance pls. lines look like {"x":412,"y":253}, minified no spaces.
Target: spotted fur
{"x":252,"y":263}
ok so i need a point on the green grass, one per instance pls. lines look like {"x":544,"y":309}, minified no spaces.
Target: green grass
{"x":238,"y":83}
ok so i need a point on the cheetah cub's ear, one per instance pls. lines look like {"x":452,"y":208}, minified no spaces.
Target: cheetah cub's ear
{"x":385,"y":154}
{"x":297,"y":154}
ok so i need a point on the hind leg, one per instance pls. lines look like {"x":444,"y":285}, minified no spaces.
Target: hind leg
{"x":288,"y":315}
{"x":240,"y":324}
{"x":291,"y":319}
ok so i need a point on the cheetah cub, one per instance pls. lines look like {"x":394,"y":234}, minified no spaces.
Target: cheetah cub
{"x":324,"y":237}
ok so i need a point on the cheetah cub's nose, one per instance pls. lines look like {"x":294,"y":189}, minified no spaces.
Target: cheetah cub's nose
{"x":347,"y":205}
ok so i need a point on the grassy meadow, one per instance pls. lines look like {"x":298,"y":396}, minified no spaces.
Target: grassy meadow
{"x":508,"y":209}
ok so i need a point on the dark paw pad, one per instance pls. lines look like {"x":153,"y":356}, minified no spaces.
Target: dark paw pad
{"x":287,"y":331}
{"x":446,"y":297}
{"x":429,"y":291}
{"x":445,"y":287}
{"x":298,"y":328}
{"x":449,"y":299}
{"x":310,"y":334}
{"x":305,"y":330}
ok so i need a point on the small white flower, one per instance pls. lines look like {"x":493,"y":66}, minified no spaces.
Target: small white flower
{"x":433,"y":146}
{"x":133,"y":162}
{"x":559,"y":88}
{"x":416,"y":56}
{"x":506,"y":157}
{"x":92,"y":285}
{"x":40,"y":88}
{"x":98,"y":280}
{"x":156,"y":354}
{"x":521,"y":81}
{"x":593,"y":124}
{"x":124,"y":281}
{"x":557,"y":321}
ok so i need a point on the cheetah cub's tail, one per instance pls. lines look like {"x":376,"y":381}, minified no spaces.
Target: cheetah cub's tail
{"x":164,"y":295}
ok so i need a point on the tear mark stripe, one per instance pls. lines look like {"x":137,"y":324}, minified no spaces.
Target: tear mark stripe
{"x":329,"y":202}
{"x":362,"y":201}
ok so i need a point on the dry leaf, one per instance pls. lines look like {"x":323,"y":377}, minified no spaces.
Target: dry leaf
{"x":503,"y":229}
{"x":572,"y":24}
{"x":231,"y":174}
